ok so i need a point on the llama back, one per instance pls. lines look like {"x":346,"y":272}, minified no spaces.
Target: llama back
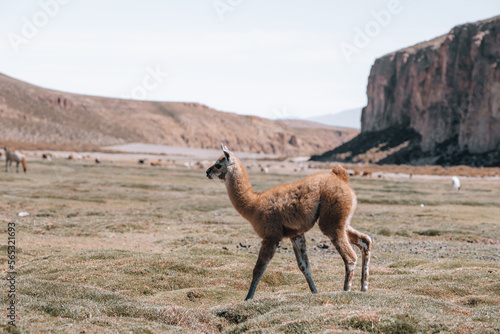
{"x":341,"y":173}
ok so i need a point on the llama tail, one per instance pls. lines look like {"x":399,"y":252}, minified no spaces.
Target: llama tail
{"x":340,"y":172}
{"x":25,"y":166}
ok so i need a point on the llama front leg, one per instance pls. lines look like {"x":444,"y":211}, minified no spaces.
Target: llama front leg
{"x":266,"y":253}
{"x":299,"y":247}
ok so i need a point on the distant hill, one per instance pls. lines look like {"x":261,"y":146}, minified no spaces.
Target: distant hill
{"x":305,"y":124}
{"x":348,"y":118}
{"x":32,"y":116}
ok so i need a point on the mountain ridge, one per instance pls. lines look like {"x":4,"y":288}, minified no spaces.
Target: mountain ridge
{"x":31,"y":115}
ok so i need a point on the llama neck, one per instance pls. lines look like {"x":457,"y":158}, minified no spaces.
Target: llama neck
{"x":240,"y":190}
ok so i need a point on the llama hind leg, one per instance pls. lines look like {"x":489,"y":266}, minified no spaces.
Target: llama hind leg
{"x":338,"y":236}
{"x":299,"y":247}
{"x":266,"y":253}
{"x":348,"y":255}
{"x":364,"y":242}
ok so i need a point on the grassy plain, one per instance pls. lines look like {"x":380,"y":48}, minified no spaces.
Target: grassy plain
{"x":133,"y":249}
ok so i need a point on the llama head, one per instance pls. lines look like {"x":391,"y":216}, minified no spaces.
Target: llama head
{"x":221,"y":166}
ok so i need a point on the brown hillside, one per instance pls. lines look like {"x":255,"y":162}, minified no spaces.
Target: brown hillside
{"x":47,"y":118}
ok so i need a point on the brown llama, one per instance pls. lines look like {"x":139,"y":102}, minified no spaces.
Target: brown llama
{"x":16,"y":156}
{"x":367,"y":173}
{"x":290,"y":210}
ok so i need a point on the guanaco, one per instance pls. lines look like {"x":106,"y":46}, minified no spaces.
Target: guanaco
{"x":290,"y":210}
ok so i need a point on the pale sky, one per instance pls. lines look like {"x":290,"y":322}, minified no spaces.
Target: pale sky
{"x":274,"y":59}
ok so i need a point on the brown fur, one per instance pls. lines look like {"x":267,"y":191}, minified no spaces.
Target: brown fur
{"x":340,"y":172}
{"x":290,"y":210}
{"x":367,"y":173}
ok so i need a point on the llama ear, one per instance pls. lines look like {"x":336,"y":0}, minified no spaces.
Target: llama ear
{"x":227,"y":153}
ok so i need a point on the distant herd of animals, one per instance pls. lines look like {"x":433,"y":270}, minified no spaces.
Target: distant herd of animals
{"x":14,"y":155}
{"x":17,"y":156}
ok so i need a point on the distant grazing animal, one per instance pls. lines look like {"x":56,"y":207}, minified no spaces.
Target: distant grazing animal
{"x":456,"y":183}
{"x":97,"y":161}
{"x":156,"y":164}
{"x":47,"y":156}
{"x":74,"y":156}
{"x":367,"y":173}
{"x":290,"y":210}
{"x":17,"y":156}
{"x":142,"y":161}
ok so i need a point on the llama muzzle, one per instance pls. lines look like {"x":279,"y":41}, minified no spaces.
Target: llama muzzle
{"x":209,"y":173}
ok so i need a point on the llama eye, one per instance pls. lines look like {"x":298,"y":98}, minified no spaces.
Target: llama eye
{"x":218,"y":166}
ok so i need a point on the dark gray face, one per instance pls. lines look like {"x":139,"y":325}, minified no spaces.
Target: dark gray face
{"x":219,"y":169}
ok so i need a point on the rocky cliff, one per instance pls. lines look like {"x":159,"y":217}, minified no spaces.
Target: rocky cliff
{"x":444,"y":92}
{"x":52,"y":119}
